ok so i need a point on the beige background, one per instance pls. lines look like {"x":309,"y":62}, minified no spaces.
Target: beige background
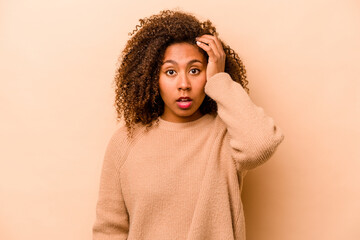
{"x":57,"y":62}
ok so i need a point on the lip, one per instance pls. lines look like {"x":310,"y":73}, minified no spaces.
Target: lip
{"x":186,"y":98}
{"x":184,"y":104}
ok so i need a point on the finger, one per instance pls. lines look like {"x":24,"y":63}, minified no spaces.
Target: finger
{"x":218,"y":56}
{"x":211,"y":43}
{"x":208,"y":49}
{"x":211,"y":49}
{"x":217,"y":42}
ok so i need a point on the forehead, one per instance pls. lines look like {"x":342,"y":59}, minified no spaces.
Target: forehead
{"x":183,"y":52}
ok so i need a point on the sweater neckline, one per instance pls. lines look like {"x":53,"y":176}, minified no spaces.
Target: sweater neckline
{"x":174,"y":126}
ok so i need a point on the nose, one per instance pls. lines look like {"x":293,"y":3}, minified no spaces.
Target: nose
{"x":183,"y":82}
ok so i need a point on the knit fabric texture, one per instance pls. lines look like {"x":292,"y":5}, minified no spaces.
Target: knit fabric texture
{"x":184,"y":180}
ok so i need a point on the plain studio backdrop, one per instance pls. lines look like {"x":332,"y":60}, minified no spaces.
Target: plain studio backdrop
{"x":57,"y":63}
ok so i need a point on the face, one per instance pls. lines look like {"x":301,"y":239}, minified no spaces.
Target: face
{"x":183,"y":74}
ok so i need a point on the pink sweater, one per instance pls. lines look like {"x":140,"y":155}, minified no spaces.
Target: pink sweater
{"x":184,"y":180}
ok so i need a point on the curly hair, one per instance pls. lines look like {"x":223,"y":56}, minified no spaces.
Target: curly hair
{"x":138,"y":98}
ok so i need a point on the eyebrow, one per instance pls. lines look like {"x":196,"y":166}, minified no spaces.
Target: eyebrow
{"x":190,"y":62}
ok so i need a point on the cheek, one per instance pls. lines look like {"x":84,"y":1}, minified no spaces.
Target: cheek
{"x":164,"y":89}
{"x":162,"y":86}
{"x":200,"y":85}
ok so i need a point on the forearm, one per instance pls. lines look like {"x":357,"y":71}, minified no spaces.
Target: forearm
{"x":253,"y":135}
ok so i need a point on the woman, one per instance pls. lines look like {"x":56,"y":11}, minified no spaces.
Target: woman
{"x":175,"y":170}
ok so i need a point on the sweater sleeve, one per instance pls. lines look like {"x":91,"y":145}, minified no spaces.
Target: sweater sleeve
{"x":254,"y":136}
{"x":112,"y":220}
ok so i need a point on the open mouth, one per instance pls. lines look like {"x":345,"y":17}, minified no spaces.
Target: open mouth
{"x":184,"y":102}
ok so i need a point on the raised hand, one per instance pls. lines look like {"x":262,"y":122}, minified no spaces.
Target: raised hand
{"x":212,"y":45}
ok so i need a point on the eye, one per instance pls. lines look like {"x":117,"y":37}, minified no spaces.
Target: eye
{"x":194,"y":71}
{"x":170,"y":72}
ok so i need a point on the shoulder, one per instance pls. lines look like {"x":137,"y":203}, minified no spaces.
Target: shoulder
{"x":119,"y":145}
{"x":120,"y":139}
{"x":120,"y":136}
